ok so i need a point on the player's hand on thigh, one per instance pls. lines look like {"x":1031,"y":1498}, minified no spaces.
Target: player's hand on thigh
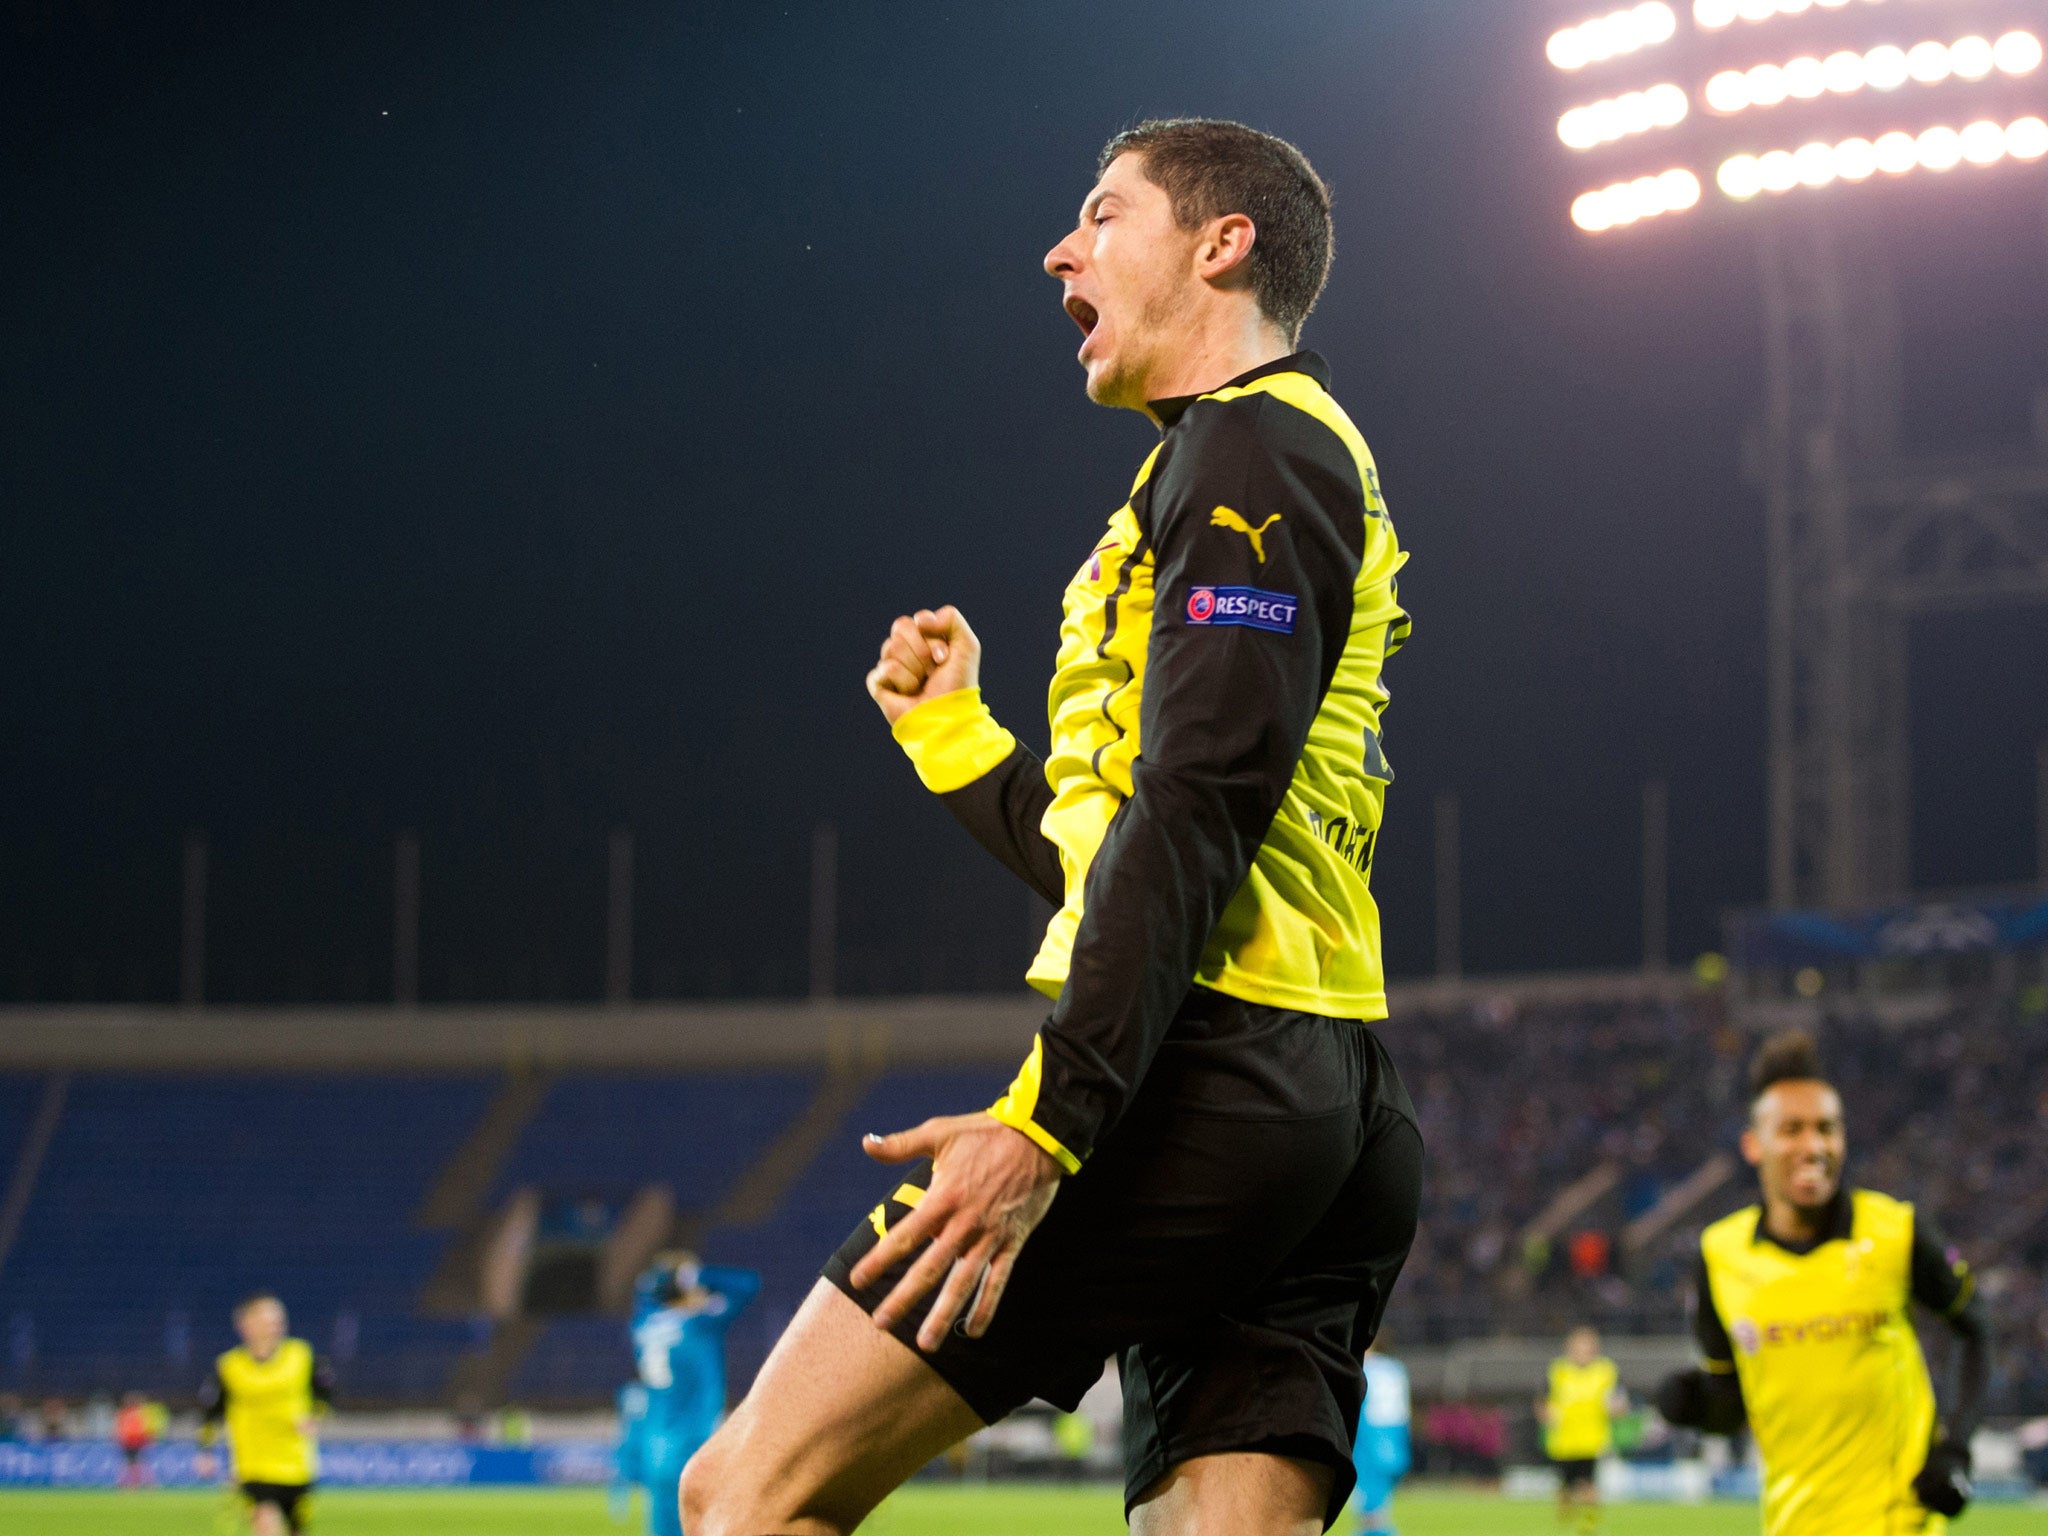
{"x":928,"y":653}
{"x":990,"y":1188}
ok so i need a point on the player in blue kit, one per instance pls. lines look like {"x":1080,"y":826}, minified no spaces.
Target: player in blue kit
{"x":681,"y":1311}
{"x":628,"y":1471}
{"x":1380,"y":1450}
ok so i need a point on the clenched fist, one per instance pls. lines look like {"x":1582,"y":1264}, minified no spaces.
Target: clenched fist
{"x":926,"y":654}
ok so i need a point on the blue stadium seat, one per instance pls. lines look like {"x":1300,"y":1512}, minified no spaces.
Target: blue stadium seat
{"x":164,"y":1198}
{"x":610,"y":1133}
{"x":19,"y":1094}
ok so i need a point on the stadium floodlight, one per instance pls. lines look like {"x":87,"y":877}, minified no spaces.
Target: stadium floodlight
{"x":1883,"y":68}
{"x":1626,"y":202}
{"x":2017,"y":53}
{"x":1842,"y":98}
{"x":1939,"y":148}
{"x":1610,"y":36}
{"x":1839,"y":60}
{"x":1602,"y":122}
{"x":1716,"y":14}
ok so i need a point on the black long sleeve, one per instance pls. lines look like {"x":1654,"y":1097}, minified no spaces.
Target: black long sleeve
{"x":1708,"y":1398}
{"x":1229,"y":696}
{"x":1003,"y":809}
{"x":1943,"y":1283}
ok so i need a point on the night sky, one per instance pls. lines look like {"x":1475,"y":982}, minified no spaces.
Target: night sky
{"x":512,"y":422}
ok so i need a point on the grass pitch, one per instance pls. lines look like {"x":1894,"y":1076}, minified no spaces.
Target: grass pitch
{"x":919,"y":1511}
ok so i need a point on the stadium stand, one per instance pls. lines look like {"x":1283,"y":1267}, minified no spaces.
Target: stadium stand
{"x":1949,"y":1110}
{"x":1576,"y":1145}
{"x":165,"y":1198}
{"x":611,"y":1134}
{"x":18,"y":1094}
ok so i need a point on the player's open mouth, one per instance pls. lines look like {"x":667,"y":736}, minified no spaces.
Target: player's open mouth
{"x":1083,"y":313}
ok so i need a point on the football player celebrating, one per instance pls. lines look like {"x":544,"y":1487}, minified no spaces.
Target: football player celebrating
{"x":1803,"y":1320}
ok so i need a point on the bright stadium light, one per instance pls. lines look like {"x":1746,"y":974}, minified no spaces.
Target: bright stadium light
{"x":1927,"y":63}
{"x":1855,"y":159}
{"x":2017,"y":53}
{"x":1843,"y":72}
{"x":1940,"y":148}
{"x":1716,"y":14}
{"x":1805,"y":78}
{"x":1983,"y":143}
{"x":1838,"y":57}
{"x":2026,"y":139}
{"x":1602,"y":122}
{"x":1626,"y":202}
{"x":1883,"y":68}
{"x":1971,"y":58}
{"x":1895,"y":153}
{"x":1610,"y":36}
{"x":1814,"y":164}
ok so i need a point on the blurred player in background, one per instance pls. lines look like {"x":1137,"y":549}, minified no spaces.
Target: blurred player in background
{"x":1577,"y":1413}
{"x":268,"y":1392}
{"x":629,"y":1469}
{"x":138,"y":1426}
{"x":1803,"y":1317}
{"x":682,"y":1309}
{"x":1236,"y":1163}
{"x":1381,"y":1449}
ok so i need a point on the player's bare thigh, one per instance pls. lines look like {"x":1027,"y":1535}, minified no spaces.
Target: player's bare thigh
{"x":1239,"y":1493}
{"x":840,"y":1414}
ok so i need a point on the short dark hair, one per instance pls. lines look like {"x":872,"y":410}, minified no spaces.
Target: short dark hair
{"x":1789,"y":1056}
{"x":1209,"y":167}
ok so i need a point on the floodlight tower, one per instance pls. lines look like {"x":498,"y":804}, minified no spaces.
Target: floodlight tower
{"x":1797,"y":112}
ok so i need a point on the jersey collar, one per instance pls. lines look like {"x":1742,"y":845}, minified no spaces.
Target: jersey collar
{"x":1840,"y":1222}
{"x":1173,"y":407}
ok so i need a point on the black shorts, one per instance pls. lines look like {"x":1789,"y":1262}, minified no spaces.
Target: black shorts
{"x":1232,"y":1242}
{"x":1577,"y":1471}
{"x":289,"y":1499}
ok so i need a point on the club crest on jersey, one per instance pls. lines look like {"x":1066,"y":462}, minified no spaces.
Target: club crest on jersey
{"x":1246,"y":607}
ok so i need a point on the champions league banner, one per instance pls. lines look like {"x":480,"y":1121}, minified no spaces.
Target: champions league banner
{"x":343,"y":1464}
{"x":1770,"y":939}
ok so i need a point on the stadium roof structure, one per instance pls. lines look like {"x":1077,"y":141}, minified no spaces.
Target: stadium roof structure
{"x":1796,"y":118}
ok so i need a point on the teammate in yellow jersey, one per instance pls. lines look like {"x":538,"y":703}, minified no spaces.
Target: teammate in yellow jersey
{"x":1577,"y":1412}
{"x":268,"y":1392}
{"x":1804,"y":1322}
{"x":1235,"y":1162}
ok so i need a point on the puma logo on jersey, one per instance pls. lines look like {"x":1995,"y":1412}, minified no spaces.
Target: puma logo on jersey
{"x":1223,"y":517}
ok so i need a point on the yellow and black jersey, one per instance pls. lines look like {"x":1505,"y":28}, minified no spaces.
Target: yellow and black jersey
{"x":1211,"y":802}
{"x":266,"y":1406}
{"x":1581,"y":1403}
{"x":1820,"y":1341}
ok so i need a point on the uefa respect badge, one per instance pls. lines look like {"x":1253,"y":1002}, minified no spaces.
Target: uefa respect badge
{"x":1245,"y":607}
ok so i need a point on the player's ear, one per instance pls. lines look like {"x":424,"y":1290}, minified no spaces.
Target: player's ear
{"x":1225,"y":245}
{"x":1752,"y":1147}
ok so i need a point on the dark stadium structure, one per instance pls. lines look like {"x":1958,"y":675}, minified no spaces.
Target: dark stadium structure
{"x":455,"y":1219}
